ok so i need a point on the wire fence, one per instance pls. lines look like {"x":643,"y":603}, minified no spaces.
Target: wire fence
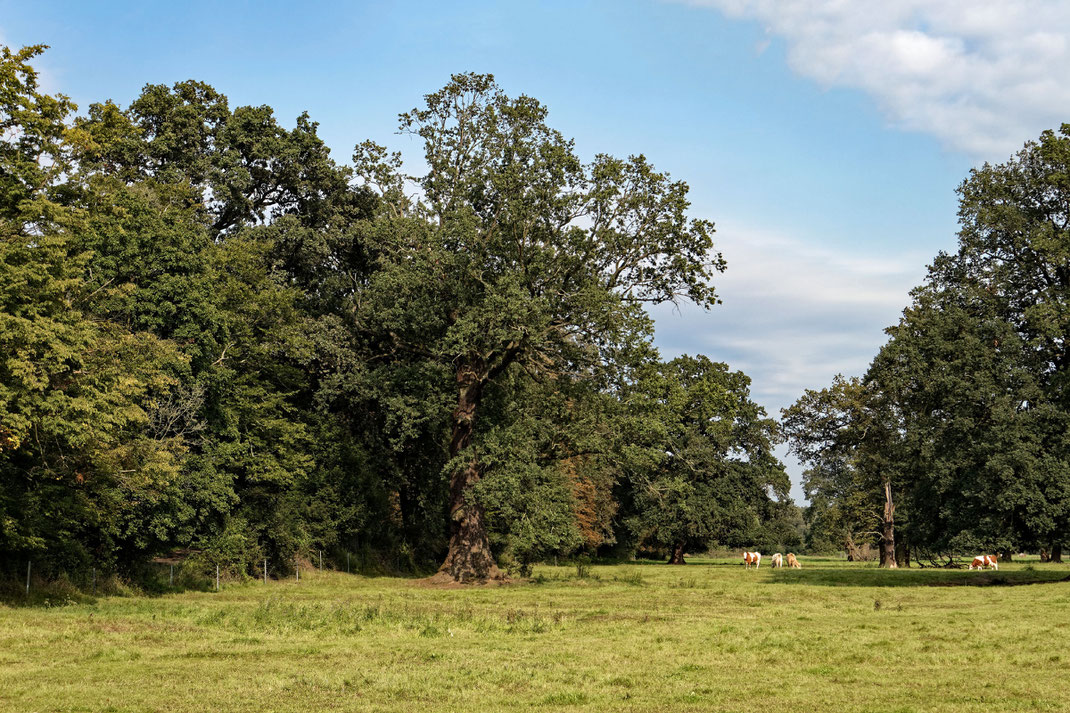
{"x":182,"y":572}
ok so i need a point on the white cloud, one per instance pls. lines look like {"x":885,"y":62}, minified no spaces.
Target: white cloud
{"x":794,"y":314}
{"x":983,"y":76}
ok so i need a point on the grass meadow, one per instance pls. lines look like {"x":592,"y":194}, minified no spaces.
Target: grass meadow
{"x":707,"y":636}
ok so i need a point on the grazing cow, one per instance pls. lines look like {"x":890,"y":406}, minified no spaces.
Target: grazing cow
{"x":752,"y":558}
{"x":792,"y":562}
{"x":778,"y":560}
{"x":983,"y":561}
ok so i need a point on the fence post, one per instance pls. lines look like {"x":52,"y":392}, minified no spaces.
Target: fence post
{"x":94,"y":581}
{"x":297,"y":571}
{"x":265,"y":570}
{"x":28,"y":564}
{"x":217,"y":578}
{"x":171,"y":581}
{"x":347,"y":561}
{"x":321,"y":560}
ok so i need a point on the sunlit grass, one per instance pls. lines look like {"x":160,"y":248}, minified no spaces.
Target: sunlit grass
{"x":646,"y":636}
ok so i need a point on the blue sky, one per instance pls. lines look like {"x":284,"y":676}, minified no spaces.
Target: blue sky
{"x":824,"y":138}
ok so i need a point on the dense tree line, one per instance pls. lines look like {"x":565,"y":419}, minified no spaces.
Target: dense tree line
{"x":214,"y":336}
{"x":957,"y":438}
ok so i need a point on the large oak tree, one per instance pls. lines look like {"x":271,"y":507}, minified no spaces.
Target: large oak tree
{"x":519,"y":256}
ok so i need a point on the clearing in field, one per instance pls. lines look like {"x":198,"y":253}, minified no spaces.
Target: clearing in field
{"x":634,"y":637}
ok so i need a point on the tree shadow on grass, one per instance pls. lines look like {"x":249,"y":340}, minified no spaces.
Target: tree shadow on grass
{"x":874,"y":577}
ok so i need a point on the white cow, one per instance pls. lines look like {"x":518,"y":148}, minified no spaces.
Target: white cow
{"x":777,"y":560}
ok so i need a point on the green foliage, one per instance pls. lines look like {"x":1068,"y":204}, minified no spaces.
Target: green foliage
{"x":83,"y":458}
{"x":525,"y":490}
{"x":151,"y":370}
{"x":519,"y":265}
{"x":33,"y":155}
{"x":703,"y":465}
{"x":214,"y":336}
{"x":838,"y":432}
{"x":979,"y":362}
{"x":233,"y":549}
{"x":965,"y":409}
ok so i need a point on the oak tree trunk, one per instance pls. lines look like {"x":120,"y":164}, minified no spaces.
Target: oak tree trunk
{"x":677,"y":555}
{"x":888,"y":530}
{"x":1057,"y":553}
{"x":469,"y":558}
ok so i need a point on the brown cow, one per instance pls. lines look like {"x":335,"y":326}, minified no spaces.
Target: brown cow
{"x":792,"y":562}
{"x":752,"y":558}
{"x":983,"y":561}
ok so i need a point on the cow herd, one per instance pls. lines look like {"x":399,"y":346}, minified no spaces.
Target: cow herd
{"x":755,"y":559}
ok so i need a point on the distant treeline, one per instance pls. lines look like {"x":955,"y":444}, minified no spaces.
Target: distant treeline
{"x":215,"y":337}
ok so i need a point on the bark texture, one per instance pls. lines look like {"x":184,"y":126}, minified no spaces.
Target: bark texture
{"x":469,"y":558}
{"x":888,"y":530}
{"x":677,"y":554}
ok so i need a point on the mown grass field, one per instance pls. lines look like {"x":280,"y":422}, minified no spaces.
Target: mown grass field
{"x":707,"y":636}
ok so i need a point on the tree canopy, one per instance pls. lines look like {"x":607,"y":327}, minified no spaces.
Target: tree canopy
{"x":216,"y":337}
{"x":705,"y":470}
{"x":972,"y":382}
